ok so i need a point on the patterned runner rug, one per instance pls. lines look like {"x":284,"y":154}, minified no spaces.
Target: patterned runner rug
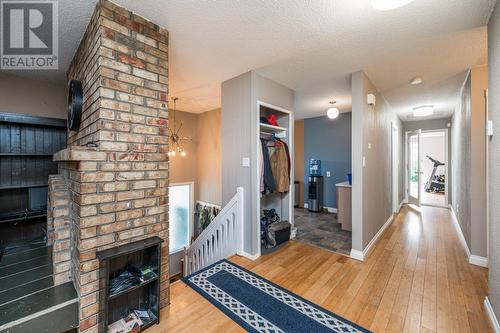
{"x":259,"y":305}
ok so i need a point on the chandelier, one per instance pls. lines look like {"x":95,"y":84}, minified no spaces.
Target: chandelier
{"x":174,"y":137}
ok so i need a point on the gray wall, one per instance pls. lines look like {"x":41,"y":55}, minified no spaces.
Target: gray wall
{"x":329,"y":141}
{"x":428,"y":125}
{"x":239,"y":117}
{"x":468,"y":176}
{"x":494,"y":160}
{"x":460,"y":177}
{"x":371,"y":138}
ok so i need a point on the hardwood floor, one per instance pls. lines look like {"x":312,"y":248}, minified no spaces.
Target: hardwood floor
{"x":417,"y":279}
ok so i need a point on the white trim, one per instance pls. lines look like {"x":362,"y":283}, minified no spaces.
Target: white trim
{"x":401,"y":204}
{"x":250,"y":256}
{"x":330,"y":209}
{"x":358,"y":255}
{"x":472,"y":258}
{"x":491,"y":315}
{"x":459,"y":232}
{"x":191,"y":212}
{"x":379,"y":234}
{"x":478,"y":260}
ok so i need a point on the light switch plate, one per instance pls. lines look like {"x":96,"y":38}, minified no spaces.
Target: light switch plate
{"x":489,"y":128}
{"x":364,"y":162}
{"x":245,"y":162}
{"x":328,"y":174}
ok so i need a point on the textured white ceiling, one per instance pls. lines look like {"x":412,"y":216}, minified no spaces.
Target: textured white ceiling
{"x":309,"y":46}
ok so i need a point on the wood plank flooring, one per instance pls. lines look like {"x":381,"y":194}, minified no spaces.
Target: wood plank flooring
{"x":417,"y":279}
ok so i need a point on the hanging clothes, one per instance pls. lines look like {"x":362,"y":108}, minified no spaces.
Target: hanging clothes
{"x":269,"y":182}
{"x":288,"y":157}
{"x":280,"y":167}
{"x":261,"y":170}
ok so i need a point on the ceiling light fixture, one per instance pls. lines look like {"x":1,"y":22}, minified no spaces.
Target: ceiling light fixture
{"x":174,"y":137}
{"x":332,"y":112}
{"x":423,"y":111}
{"x":389,"y":4}
{"x":416,"y":80}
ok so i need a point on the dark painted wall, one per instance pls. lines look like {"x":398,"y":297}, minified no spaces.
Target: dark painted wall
{"x":329,"y":141}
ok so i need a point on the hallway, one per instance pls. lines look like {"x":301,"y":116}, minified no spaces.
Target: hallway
{"x":416,"y":279}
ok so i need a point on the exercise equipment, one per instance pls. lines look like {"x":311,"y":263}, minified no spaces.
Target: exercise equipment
{"x":436,"y":183}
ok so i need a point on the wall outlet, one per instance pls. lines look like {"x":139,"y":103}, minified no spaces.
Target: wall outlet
{"x":328,"y":174}
{"x":245,"y":162}
{"x":369,"y":145}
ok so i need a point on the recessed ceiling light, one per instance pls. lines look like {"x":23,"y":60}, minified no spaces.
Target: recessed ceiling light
{"x":389,"y":4}
{"x":423,"y":111}
{"x":416,"y":80}
{"x":332,"y":112}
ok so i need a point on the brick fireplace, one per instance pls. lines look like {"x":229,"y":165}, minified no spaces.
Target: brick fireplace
{"x":112,"y":185}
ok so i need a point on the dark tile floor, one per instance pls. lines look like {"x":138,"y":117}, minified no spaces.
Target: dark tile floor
{"x":322,"y":229}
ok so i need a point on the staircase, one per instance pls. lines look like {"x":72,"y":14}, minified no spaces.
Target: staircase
{"x":29,"y":300}
{"x":221,"y":239}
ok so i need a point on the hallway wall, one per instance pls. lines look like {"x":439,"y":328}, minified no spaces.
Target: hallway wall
{"x":208,"y":151}
{"x":371,"y":140}
{"x":202,"y":165}
{"x":469,"y":162}
{"x":494,"y":160}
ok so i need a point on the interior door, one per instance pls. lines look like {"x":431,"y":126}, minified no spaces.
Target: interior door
{"x":414,"y":172}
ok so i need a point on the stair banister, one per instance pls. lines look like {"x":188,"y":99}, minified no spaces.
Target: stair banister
{"x":221,"y":239}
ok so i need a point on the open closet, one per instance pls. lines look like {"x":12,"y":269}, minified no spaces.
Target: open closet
{"x":274,"y":174}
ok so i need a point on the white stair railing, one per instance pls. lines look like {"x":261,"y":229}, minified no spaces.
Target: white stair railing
{"x":221,"y":239}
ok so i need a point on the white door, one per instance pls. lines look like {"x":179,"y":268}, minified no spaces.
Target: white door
{"x":414,"y":170}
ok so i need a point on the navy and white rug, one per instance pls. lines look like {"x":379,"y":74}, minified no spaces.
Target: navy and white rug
{"x":259,"y":305}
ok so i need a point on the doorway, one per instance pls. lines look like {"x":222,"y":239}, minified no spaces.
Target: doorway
{"x":427,"y":167}
{"x":434,"y":165}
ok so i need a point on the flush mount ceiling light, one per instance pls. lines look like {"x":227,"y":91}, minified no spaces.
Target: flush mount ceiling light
{"x":423,"y":111}
{"x":332,"y":112}
{"x":389,"y":4}
{"x":416,"y":80}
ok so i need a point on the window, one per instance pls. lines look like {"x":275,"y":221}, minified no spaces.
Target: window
{"x":180,"y":213}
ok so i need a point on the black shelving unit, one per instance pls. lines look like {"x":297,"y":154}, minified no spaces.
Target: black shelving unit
{"x":144,"y":295}
{"x":27,"y":144}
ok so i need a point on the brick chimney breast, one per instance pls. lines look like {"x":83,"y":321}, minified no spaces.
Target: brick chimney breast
{"x":118,"y":188}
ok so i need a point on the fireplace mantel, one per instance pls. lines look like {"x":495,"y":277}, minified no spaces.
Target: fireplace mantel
{"x":78,"y":153}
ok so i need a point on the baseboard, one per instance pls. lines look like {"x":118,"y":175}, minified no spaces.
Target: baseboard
{"x":361,"y":255}
{"x":249,"y":256}
{"x":459,"y":232}
{"x":374,"y":240}
{"x":401,"y":204}
{"x":491,"y":315}
{"x":472,"y":258}
{"x":478,"y":260}
{"x":356,"y":254}
{"x":330,"y":209}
